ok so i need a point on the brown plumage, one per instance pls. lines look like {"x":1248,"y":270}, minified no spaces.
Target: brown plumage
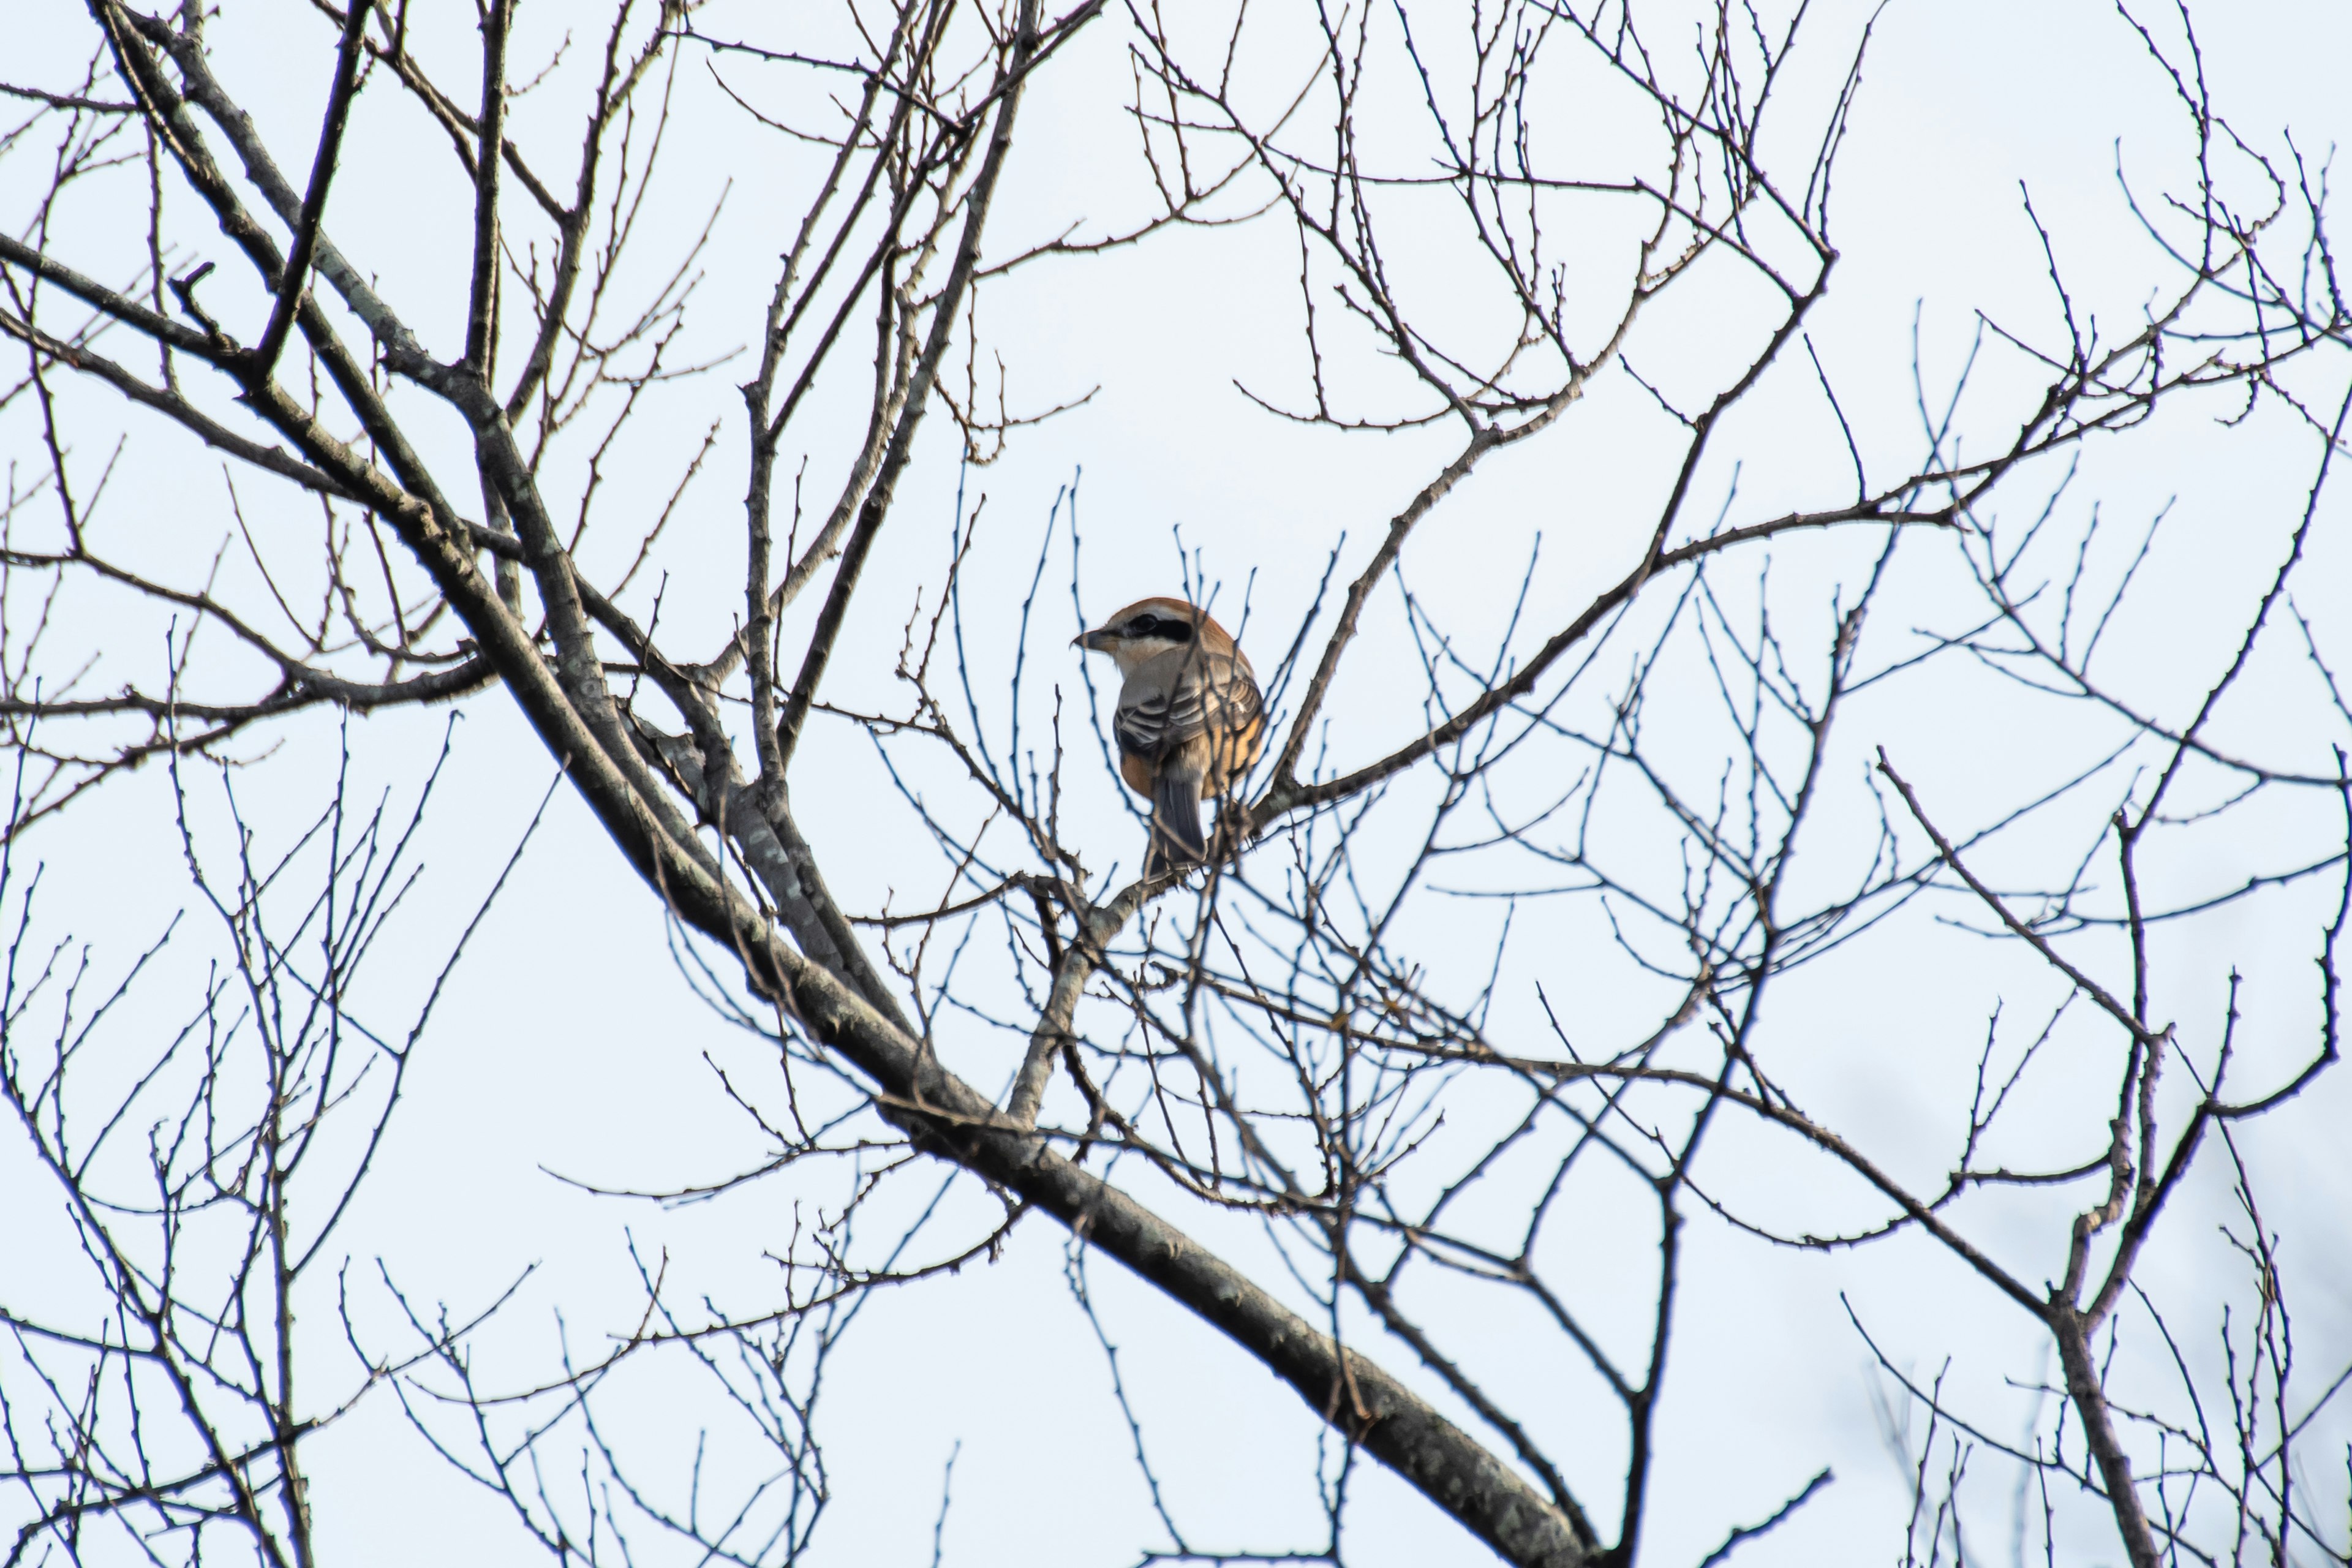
{"x":1189,"y":720}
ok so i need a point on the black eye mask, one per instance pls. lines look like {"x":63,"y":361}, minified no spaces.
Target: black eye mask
{"x":1159,"y":627}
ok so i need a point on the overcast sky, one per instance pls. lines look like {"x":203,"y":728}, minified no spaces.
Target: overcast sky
{"x":569,"y":1052}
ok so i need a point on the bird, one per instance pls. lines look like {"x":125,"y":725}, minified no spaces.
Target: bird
{"x":1190,"y":719}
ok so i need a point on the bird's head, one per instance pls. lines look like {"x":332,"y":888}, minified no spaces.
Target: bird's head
{"x":1149,"y":627}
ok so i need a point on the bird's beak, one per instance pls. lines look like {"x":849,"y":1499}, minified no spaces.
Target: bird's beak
{"x":1097,"y":641}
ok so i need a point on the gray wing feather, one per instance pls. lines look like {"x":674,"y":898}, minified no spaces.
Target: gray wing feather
{"x":1212,"y":694}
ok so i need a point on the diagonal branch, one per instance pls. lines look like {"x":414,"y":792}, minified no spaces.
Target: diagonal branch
{"x":314,"y":202}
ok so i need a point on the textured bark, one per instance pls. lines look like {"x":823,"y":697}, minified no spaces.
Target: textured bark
{"x":2090,"y":1400}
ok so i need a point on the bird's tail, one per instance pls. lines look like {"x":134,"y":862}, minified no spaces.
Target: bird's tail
{"x":1176,"y":837}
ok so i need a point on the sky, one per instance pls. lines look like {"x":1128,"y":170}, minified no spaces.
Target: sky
{"x":568,"y":1053}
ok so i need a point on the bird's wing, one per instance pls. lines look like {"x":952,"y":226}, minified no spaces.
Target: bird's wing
{"x":1180,"y":695}
{"x":1242,"y":704}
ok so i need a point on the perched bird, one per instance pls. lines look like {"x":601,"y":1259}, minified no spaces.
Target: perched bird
{"x":1190,"y":721}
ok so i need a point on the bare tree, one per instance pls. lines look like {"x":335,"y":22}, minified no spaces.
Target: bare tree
{"x":179,"y":1412}
{"x":1298,"y":1037}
